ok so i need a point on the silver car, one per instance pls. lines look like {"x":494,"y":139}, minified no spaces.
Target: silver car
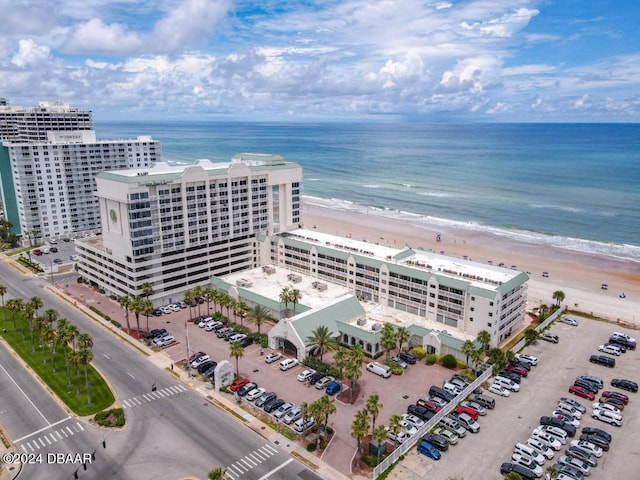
{"x":292,"y":415}
{"x":283,"y":409}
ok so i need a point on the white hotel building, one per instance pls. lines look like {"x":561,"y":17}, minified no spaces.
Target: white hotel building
{"x":176,"y":226}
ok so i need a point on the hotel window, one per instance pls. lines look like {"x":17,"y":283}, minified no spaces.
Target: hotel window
{"x":488,"y":324}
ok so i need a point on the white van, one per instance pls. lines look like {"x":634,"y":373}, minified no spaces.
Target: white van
{"x":379,"y":369}
{"x":507,"y":383}
{"x":288,"y":364}
{"x":528,"y":451}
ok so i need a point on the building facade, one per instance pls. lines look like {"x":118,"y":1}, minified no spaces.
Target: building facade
{"x":175,"y":226}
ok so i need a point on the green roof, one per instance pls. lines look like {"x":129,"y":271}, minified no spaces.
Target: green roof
{"x":343,"y":310}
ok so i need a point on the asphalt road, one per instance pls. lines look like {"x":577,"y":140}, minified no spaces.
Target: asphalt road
{"x":167,"y":435}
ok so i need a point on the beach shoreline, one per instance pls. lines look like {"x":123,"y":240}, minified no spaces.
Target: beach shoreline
{"x":579,"y":275}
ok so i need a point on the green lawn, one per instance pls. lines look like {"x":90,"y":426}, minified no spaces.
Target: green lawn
{"x":100,"y":393}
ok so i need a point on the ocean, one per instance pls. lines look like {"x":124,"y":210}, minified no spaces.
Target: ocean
{"x":573,"y":186}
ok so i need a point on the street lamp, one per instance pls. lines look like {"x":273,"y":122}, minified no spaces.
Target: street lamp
{"x":51,"y":270}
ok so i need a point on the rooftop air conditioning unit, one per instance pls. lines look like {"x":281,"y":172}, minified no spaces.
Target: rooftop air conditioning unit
{"x":361,"y":321}
{"x":376,"y":327}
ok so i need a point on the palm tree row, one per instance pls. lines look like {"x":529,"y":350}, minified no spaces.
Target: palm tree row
{"x":138,"y":304}
{"x":290,"y":295}
{"x":48,"y":332}
{"x":392,"y":337}
{"x":320,"y":411}
{"x":349,"y":363}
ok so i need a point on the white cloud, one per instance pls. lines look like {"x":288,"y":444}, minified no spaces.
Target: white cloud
{"x":30,"y":54}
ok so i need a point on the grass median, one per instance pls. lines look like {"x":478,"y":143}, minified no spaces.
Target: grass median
{"x":68,"y":384}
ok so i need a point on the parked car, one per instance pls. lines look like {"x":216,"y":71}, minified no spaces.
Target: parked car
{"x":569,"y":472}
{"x":283,"y":409}
{"x":420,"y":412}
{"x":272,"y":405}
{"x":569,"y":410}
{"x":498,"y":390}
{"x":288,"y":364}
{"x":581,"y":392}
{"x":272,"y":357}
{"x":624,"y":384}
{"x":510,"y":375}
{"x":199,"y":361}
{"x":438,"y":441}
{"x":569,"y":321}
{"x":333,"y":388}
{"x":598,"y":431}
{"x":588,"y":446}
{"x":596,"y":440}
{"x":547,"y":337}
{"x":206,"y":366}
{"x":479,"y":409}
{"x":450,"y":435}
{"x":547,"y":439}
{"x":194,"y":356}
{"x":468,"y":422}
{"x":304,"y":375}
{"x":164,"y":340}
{"x":323,"y":382}
{"x":618,"y":340}
{"x":238,"y":383}
{"x":36,"y":251}
{"x":413,"y":420}
{"x":523,"y":372}
{"x":558,"y":423}
{"x":524,"y":472}
{"x":603,"y":360}
{"x":575,"y":462}
{"x":609,"y":349}
{"x":554,"y":431}
{"x":606,"y":406}
{"x":243,"y":391}
{"x":607,"y":417}
{"x":528,"y":463}
{"x":429,"y":450}
{"x":156,"y":332}
{"x":398,"y":361}
{"x":460,"y":409}
{"x":616,"y":402}
{"x":430,"y":405}
{"x":574,"y":403}
{"x":264,"y":398}
{"x":255,"y":393}
{"x":620,"y":396}
{"x":530,"y":359}
{"x":541,"y":448}
{"x":565,"y":417}
{"x":401,"y":437}
{"x":292,"y":415}
{"x":302,"y":425}
{"x":407,"y":357}
{"x":593,"y":379}
{"x":317,"y":376}
{"x":591,"y":387}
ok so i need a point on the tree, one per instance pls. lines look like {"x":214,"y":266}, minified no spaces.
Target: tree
{"x":125,"y":302}
{"x":340,"y":360}
{"x":76,"y":360}
{"x":402,"y":335}
{"x":513,"y":476}
{"x":531,"y":335}
{"x":136,"y":306}
{"x":388,"y":337}
{"x":497,"y":359}
{"x":395,"y":427}
{"x":147,"y":290}
{"x":189,"y":298}
{"x":321,"y":341}
{"x":484,"y":339}
{"x":3,"y":292}
{"x":359,"y":429}
{"x":209,"y":295}
{"x":86,"y":357}
{"x":294,"y":297}
{"x":285,"y":298}
{"x":373,"y":407}
{"x":353,"y":368}
{"x":468,"y":347}
{"x":236,"y":351}
{"x":320,"y":411}
{"x":552,"y":471}
{"x":543,"y":311}
{"x":15,"y":305}
{"x":48,"y":335}
{"x":259,"y":315}
{"x":558,"y":296}
{"x":27,"y":310}
{"x":217,"y":474}
{"x":147,"y":310}
{"x":379,"y":434}
{"x":240,"y":309}
{"x":65,"y":335}
{"x":197,"y":294}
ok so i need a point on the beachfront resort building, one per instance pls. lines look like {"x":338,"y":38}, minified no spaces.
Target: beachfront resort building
{"x":354,"y":287}
{"x":175,"y":226}
{"x":49,"y":157}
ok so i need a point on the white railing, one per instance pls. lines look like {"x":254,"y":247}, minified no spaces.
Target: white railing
{"x":432,"y":422}
{"x":553,"y":317}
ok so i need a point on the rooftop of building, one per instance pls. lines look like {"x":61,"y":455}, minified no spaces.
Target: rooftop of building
{"x":477,"y":274}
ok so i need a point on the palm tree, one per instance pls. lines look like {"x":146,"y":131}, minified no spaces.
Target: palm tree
{"x":236,"y":351}
{"x":388,"y":337}
{"x":294,"y":297}
{"x":197,"y":293}
{"x":379,"y":434}
{"x":531,"y":335}
{"x":543,"y":311}
{"x":15,"y":305}
{"x":147,"y":290}
{"x":3,"y":292}
{"x":359,"y":429}
{"x":147,"y":310}
{"x":36,"y":303}
{"x":76,"y":360}
{"x":321,"y":341}
{"x":45,"y":334}
{"x":484,"y":338}
{"x":402,"y":335}
{"x":259,"y":315}
{"x":86,"y":356}
{"x":189,"y":298}
{"x":325,"y":406}
{"x":209,"y":295}
{"x":65,"y":335}
{"x":395,"y":427}
{"x":285,"y":298}
{"x":241,"y":310}
{"x":136,"y":306}
{"x":497,"y":359}
{"x":552,"y":471}
{"x":373,"y":407}
{"x":340,"y":360}
{"x":125,"y":301}
{"x":353,"y":369}
{"x":226,"y":301}
{"x":467,"y":349}
{"x":304,"y":410}
{"x":51,"y":336}
{"x":558,"y":296}
{"x":27,"y":311}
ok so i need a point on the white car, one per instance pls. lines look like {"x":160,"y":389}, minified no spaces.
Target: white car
{"x":549,"y":440}
{"x":588,"y":446}
{"x":475,"y":406}
{"x":212,"y":324}
{"x":200,"y":360}
{"x":541,"y":448}
{"x":623,"y":335}
{"x":451,"y":388}
{"x":273,"y":357}
{"x":402,"y":436}
{"x":165,"y":341}
{"x":283,"y":409}
{"x":609,"y":349}
{"x":606,"y":406}
{"x":568,"y":409}
{"x":417,"y":422}
{"x":575,"y":462}
{"x":607,"y":417}
{"x":569,"y":321}
{"x":323,"y":382}
{"x":559,"y":433}
{"x":255,"y":393}
{"x":527,"y":462}
{"x":530,"y":359}
{"x":288,"y":364}
{"x":498,"y":390}
{"x":566,"y":417}
{"x":409,"y":428}
{"x":305,"y":374}
{"x":203,"y":321}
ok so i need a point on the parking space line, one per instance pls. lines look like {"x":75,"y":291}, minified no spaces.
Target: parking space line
{"x":144,"y":395}
{"x":59,"y":436}
{"x":47,"y":439}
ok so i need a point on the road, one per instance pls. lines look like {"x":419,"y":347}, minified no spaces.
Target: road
{"x":170,"y":433}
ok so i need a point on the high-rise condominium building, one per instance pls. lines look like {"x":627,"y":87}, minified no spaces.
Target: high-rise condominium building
{"x":175,"y":226}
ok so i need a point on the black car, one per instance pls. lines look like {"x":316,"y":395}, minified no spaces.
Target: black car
{"x":156,"y":332}
{"x":418,"y":411}
{"x":407,"y":357}
{"x":511,"y":376}
{"x":206,"y":366}
{"x":525,"y":365}
{"x":246,"y":389}
{"x":272,"y":405}
{"x":569,"y":470}
{"x":622,"y":341}
{"x":597,"y":431}
{"x":587,"y":385}
{"x":157,"y":312}
{"x":246,"y":341}
{"x":624,"y":384}
{"x":557,"y":422}
{"x":53,"y":249}
{"x":524,"y":472}
{"x":210,"y":372}
{"x":313,"y":379}
{"x":438,"y":441}
{"x":596,"y":440}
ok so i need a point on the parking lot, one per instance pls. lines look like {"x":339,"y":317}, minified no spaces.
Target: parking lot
{"x":514,"y":418}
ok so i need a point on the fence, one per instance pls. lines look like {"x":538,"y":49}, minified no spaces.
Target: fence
{"x":408,"y":445}
{"x":541,"y":327}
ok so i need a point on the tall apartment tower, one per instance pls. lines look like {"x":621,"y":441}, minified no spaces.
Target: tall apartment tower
{"x":175,"y":226}
{"x":49,"y":157}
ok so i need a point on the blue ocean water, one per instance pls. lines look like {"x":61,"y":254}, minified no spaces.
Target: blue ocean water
{"x":574,"y":186}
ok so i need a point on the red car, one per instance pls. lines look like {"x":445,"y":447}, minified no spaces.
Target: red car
{"x":429,"y":405}
{"x":581,"y":392}
{"x":468,"y":410}
{"x":36,"y":251}
{"x":616,"y":402}
{"x":238,"y":383}
{"x":618,"y":395}
{"x":519,"y":370}
{"x":196,"y":356}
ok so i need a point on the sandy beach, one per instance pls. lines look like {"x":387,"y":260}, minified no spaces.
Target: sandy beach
{"x":578,"y":275}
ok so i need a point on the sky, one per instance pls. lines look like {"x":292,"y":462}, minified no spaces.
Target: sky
{"x":306,"y":60}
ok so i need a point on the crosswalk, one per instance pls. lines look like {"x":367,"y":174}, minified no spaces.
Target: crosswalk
{"x":151,"y":396}
{"x":51,"y":437}
{"x":250,"y":461}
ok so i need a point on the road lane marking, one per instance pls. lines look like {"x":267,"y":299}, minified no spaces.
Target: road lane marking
{"x":282,"y":465}
{"x":41,"y":430}
{"x":80,"y":426}
{"x":70,"y":431}
{"x":26,"y":396}
{"x":128,"y":373}
{"x":106,"y":356}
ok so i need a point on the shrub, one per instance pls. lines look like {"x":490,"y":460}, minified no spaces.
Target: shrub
{"x":316,"y":364}
{"x":311,"y":447}
{"x":449,"y":361}
{"x":110,"y":418}
{"x":432,"y":358}
{"x":395,"y":368}
{"x":419,"y":352}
